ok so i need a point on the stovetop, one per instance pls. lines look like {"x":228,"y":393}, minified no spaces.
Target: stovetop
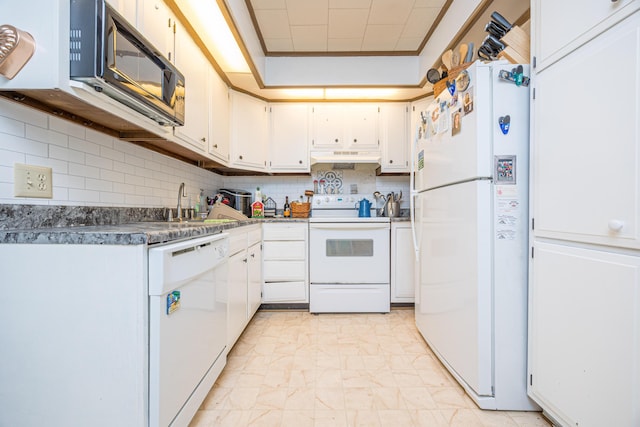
{"x":342,"y":208}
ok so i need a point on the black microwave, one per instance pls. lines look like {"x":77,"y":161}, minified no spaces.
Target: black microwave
{"x":109,"y":54}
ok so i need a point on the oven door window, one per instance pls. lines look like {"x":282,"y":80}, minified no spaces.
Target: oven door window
{"x":349,"y":247}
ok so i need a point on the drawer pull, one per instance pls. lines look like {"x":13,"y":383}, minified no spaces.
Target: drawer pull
{"x":616,"y":225}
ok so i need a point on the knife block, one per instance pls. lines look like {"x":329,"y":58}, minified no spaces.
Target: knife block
{"x":517,"y":50}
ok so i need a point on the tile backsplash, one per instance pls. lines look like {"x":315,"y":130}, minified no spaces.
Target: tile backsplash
{"x":94,"y":169}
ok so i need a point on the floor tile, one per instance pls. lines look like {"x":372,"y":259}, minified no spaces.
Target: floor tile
{"x":296,"y":369}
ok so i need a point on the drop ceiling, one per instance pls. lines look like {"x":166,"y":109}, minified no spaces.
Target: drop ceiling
{"x":354,"y":27}
{"x":335,"y":49}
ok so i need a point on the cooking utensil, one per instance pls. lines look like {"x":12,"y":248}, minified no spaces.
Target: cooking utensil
{"x":308,"y":193}
{"x":16,"y":48}
{"x":469,"y":56}
{"x":455,"y":59}
{"x":393,"y":209}
{"x":462,"y":52}
{"x":495,"y":30}
{"x":446,"y":59}
{"x":496,"y":45}
{"x":501,"y":21}
{"x":364,"y":208}
{"x":433,"y":76}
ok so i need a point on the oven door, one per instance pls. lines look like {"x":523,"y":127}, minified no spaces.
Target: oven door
{"x":349,"y":253}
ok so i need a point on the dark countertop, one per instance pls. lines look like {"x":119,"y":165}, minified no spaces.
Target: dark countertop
{"x":28,"y":224}
{"x":136,"y":233}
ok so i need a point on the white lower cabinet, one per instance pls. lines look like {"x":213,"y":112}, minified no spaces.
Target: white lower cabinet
{"x":245,"y":273}
{"x":402,"y":263}
{"x":584,"y":324}
{"x":285,"y":263}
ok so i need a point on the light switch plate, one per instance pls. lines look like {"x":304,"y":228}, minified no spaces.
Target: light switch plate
{"x":32,"y":181}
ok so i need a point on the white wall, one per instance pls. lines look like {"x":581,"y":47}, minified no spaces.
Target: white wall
{"x":93,"y":169}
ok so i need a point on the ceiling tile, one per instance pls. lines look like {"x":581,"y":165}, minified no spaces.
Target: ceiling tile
{"x":420,"y":22}
{"x":268,"y":4}
{"x":349,"y":4}
{"x":381,"y":37}
{"x":274,"y":24}
{"x":429,"y":3}
{"x":347,"y":23}
{"x":308,"y":12}
{"x":390,"y":12}
{"x":345,"y":45}
{"x":408,"y":43}
{"x":309,"y":38}
{"x":279,"y":45}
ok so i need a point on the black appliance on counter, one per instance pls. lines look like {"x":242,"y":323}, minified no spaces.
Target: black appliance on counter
{"x":238,"y":199}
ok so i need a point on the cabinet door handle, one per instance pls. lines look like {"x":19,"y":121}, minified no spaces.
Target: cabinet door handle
{"x":240,"y":157}
{"x":244,"y":260}
{"x":215,"y":145}
{"x":390,"y":161}
{"x":300,"y":162}
{"x":355,"y":140}
{"x":203,"y":139}
{"x":336,"y":140}
{"x":616,"y":225}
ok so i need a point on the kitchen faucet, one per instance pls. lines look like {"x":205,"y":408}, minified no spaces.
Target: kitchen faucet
{"x":180,"y":196}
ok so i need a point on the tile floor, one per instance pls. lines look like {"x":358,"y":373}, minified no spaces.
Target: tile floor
{"x":295,"y":369}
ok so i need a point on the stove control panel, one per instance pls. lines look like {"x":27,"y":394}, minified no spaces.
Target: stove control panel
{"x":337,"y":201}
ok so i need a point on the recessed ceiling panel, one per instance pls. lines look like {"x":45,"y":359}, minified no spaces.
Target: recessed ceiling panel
{"x":308,"y":12}
{"x":381,"y":37}
{"x":309,"y":38}
{"x":274,"y":23}
{"x":268,"y":4}
{"x":349,"y":4}
{"x":390,"y":12}
{"x":347,"y":23}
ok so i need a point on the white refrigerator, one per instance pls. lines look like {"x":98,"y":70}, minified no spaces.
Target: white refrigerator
{"x":470,"y":223}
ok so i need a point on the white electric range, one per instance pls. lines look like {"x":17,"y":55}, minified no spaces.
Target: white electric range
{"x":349,"y":257}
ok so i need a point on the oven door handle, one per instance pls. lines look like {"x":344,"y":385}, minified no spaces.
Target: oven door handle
{"x":349,"y":226}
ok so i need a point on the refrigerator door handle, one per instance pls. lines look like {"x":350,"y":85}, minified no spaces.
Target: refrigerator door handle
{"x":413,"y":193}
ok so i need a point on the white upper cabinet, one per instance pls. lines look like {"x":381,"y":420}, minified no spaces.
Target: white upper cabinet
{"x":586,"y":142}
{"x":126,"y":8}
{"x":194,"y":66}
{"x":157,"y":23}
{"x":394,"y":137}
{"x":218,"y":118}
{"x":339,"y":126}
{"x":562,"y":26}
{"x":249,"y":132}
{"x":289,"y":143}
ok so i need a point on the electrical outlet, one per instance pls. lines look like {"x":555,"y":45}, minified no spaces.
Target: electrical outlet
{"x":32,"y":181}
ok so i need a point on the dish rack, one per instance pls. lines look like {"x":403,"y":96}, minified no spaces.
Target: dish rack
{"x":300,"y":209}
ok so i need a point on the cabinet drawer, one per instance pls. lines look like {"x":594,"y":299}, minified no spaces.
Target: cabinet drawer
{"x":284,"y":250}
{"x":285,"y":232}
{"x":285,"y":270}
{"x":285,"y":292}
{"x":254,"y":236}
{"x":237,"y":242}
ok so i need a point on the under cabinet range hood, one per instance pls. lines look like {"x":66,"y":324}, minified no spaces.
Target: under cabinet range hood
{"x":345,"y":157}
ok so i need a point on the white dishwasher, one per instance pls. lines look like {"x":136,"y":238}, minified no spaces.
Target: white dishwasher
{"x":187,"y":325}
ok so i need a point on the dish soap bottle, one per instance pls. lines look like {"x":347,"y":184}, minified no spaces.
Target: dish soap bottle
{"x":287,"y":208}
